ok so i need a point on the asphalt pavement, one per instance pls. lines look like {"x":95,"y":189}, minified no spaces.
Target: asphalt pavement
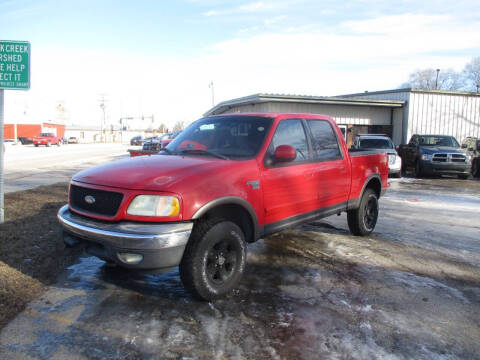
{"x":27,"y":166}
{"x":411,"y":290}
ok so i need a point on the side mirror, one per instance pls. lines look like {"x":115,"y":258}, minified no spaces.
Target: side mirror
{"x":464,"y":146}
{"x":284,"y":153}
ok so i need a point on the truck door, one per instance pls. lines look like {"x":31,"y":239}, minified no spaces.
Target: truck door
{"x":332,"y":171}
{"x":288,"y":187}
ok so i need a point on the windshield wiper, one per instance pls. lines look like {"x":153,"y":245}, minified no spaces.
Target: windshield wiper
{"x":204,"y":152}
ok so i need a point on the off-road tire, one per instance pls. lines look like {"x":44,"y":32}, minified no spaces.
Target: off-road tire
{"x":362,"y":221}
{"x":214,"y":259}
{"x":476,"y":167}
{"x":418,"y":169}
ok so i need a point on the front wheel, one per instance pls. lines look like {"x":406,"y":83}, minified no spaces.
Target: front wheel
{"x":214,"y":259}
{"x":476,"y":168}
{"x":362,"y":221}
{"x":418,"y":169}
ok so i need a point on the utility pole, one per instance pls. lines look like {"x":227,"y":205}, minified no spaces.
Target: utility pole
{"x":102,"y":106}
{"x":436,"y":80}
{"x":213,"y":95}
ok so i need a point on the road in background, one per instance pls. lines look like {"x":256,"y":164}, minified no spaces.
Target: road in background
{"x":27,"y":166}
{"x":411,"y":290}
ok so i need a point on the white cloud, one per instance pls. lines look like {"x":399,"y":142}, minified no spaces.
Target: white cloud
{"x":373,"y":54}
{"x":253,"y":7}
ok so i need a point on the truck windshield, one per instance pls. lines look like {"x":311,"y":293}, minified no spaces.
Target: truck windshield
{"x":438,"y":141}
{"x":376,"y":144}
{"x":232,"y":137}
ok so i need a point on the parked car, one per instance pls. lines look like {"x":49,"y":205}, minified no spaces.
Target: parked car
{"x":435,"y":155}
{"x":472,"y":146}
{"x":380,"y":141}
{"x":47,"y":139}
{"x":136,"y":140}
{"x":72,"y":140}
{"x":151,"y":144}
{"x":225,"y":181}
{"x":168,"y":138}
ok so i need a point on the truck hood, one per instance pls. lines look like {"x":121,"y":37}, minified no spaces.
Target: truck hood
{"x":153,"y":173}
{"x":441,"y":149}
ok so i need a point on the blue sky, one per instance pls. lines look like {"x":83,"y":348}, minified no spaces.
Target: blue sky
{"x":158,"y":56}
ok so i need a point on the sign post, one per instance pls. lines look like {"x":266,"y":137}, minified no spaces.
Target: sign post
{"x":14,"y":75}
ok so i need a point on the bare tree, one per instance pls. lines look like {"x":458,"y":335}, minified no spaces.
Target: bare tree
{"x":448,"y":79}
{"x":163,"y":128}
{"x":179,"y":125}
{"x":471,"y":74}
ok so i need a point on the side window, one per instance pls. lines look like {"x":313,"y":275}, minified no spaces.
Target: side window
{"x":289,"y":132}
{"x":324,"y":141}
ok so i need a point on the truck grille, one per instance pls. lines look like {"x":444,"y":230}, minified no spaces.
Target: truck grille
{"x":105,"y":202}
{"x":449,"y":158}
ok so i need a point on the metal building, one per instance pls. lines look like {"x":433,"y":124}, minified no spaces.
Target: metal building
{"x":398,"y":113}
{"x":352,"y":115}
{"x":433,"y":111}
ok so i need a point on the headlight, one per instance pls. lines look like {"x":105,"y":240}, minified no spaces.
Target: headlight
{"x":154,"y":205}
{"x":469,"y":157}
{"x":426,"y":157}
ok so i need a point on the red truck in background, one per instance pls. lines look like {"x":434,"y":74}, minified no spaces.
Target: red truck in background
{"x":47,"y":139}
{"x":225,"y":181}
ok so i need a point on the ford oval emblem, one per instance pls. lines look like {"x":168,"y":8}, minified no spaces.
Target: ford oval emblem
{"x":89,"y":199}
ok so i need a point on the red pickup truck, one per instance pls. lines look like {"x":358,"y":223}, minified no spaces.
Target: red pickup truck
{"x":225,"y":181}
{"x":47,"y":139}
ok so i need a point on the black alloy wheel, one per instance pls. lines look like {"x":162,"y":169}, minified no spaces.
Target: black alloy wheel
{"x":362,"y":221}
{"x":418,"y":169}
{"x":221,"y":261}
{"x":214,"y":259}
{"x":476,"y":167}
{"x":370,"y":213}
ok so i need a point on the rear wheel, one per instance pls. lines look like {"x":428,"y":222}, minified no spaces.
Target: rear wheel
{"x":463,"y":176}
{"x":362,"y":221}
{"x":214,"y":259}
{"x":418,"y":169}
{"x":476,"y":167}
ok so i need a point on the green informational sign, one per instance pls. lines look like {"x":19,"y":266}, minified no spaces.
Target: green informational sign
{"x":14,"y":65}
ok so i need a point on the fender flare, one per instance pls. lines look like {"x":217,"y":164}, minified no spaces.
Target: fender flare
{"x":355,"y":203}
{"x":230,"y":200}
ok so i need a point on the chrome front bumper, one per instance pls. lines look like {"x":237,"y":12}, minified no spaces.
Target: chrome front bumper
{"x":160,"y":245}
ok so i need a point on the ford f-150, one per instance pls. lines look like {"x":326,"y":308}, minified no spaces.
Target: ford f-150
{"x":225,"y":181}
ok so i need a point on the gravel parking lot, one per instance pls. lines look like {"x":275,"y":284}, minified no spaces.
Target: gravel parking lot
{"x":411,"y":290}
